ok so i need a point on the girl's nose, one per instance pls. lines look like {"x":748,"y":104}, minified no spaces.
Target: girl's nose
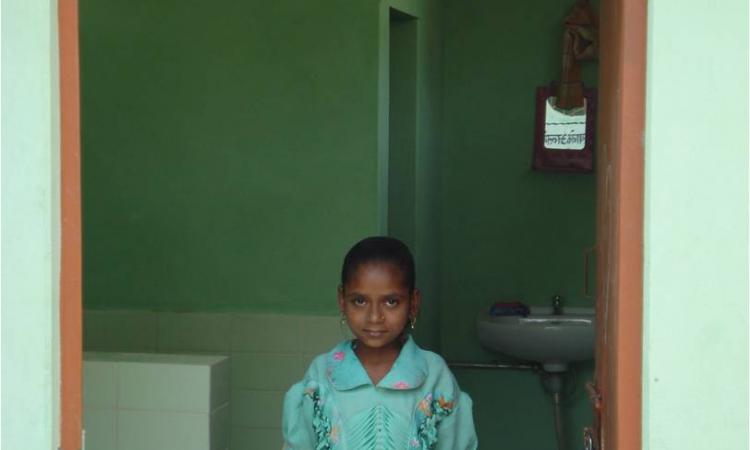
{"x":376,"y":315}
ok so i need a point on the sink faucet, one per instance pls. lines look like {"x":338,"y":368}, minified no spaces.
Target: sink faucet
{"x":557,"y":305}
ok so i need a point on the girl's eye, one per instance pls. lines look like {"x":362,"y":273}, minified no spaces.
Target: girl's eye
{"x":359,"y":301}
{"x":392,"y":302}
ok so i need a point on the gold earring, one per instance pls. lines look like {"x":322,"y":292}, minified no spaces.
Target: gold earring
{"x":413,"y":322}
{"x":343,"y":318}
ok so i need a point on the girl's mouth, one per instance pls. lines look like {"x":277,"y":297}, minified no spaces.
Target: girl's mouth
{"x":374,"y":333}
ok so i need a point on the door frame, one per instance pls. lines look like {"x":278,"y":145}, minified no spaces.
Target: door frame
{"x":71,"y":304}
{"x":618,"y":384}
{"x":621,"y":126}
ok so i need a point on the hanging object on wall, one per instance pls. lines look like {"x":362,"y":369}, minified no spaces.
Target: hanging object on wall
{"x":565,"y":112}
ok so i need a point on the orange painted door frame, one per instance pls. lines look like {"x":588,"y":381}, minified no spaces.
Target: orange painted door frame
{"x":619,"y":225}
{"x":71,"y":343}
{"x":619,"y":229}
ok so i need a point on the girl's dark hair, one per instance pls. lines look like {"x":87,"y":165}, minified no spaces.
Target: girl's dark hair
{"x":380,"y":249}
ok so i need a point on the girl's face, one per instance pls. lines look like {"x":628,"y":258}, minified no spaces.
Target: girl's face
{"x":378,"y":305}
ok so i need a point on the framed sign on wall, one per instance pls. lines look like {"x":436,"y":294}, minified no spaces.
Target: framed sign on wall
{"x":564,"y":138}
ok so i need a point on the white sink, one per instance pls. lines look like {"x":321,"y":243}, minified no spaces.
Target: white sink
{"x":543,"y":337}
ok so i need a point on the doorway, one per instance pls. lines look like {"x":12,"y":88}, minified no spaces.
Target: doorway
{"x":622,"y":216}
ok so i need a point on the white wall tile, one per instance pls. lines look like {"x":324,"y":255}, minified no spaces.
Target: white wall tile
{"x":99,"y":387}
{"x":321,"y":333}
{"x":220,"y":428}
{"x":259,"y":409}
{"x":155,"y":430}
{"x":220,"y":383}
{"x":265,"y":333}
{"x":202,"y":332}
{"x":164,"y":387}
{"x":256,"y":438}
{"x":99,"y":425}
{"x":265,"y":371}
{"x":268,"y":353}
{"x":119,"y":331}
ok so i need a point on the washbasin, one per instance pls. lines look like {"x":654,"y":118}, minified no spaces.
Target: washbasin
{"x":554,"y":340}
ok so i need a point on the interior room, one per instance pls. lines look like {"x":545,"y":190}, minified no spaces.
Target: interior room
{"x":233,"y":151}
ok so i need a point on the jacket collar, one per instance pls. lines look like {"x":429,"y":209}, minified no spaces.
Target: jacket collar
{"x":345,"y":371}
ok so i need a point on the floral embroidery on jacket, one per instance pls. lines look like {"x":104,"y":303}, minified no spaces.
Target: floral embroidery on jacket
{"x":424,"y":405}
{"x":434,"y":411}
{"x":326,"y":436}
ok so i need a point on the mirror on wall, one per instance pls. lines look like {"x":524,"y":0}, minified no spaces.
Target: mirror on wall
{"x":564,"y":138}
{"x":564,"y":132}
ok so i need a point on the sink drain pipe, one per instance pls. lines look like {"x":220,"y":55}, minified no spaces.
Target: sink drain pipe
{"x":507,"y":366}
{"x":553,"y":384}
{"x":558,"y":421}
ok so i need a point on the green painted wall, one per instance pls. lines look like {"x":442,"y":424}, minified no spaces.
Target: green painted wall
{"x":234,"y":151}
{"x":30,"y":226}
{"x":696,"y":227}
{"x":232,"y":154}
{"x":507,"y":231}
{"x":230,"y":151}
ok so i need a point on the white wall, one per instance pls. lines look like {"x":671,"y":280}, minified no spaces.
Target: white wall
{"x":696,"y":226}
{"x":30,"y":226}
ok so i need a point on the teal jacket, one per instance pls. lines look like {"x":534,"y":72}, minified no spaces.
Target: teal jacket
{"x":417,"y":405}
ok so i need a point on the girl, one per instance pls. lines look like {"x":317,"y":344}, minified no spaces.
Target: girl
{"x":380,"y":390}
